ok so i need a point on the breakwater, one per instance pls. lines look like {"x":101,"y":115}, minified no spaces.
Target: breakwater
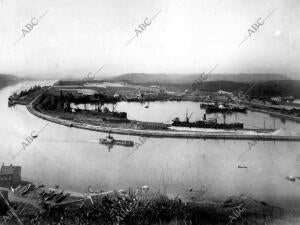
{"x":260,"y":135}
{"x":231,"y":134}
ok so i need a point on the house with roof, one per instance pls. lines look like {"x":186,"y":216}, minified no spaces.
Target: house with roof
{"x":10,"y":176}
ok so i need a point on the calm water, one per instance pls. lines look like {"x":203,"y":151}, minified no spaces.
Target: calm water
{"x":73,"y":159}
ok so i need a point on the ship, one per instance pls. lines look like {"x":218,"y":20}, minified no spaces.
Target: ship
{"x":205,"y":105}
{"x":110,"y":141}
{"x":230,"y":108}
{"x":206,"y":123}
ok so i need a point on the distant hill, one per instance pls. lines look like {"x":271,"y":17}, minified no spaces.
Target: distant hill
{"x":261,"y":88}
{"x":190,"y":78}
{"x":283,"y":88}
{"x":6,"y":80}
{"x":145,"y":78}
{"x":265,"y":84}
{"x":242,"y":78}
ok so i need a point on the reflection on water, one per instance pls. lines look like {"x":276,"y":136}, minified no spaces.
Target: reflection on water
{"x":74,"y":159}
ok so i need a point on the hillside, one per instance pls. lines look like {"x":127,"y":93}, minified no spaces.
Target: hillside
{"x":6,"y":80}
{"x":145,"y":78}
{"x":283,"y":88}
{"x":190,"y":78}
{"x":272,"y":88}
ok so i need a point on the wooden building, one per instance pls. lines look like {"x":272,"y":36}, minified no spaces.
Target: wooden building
{"x":10,"y":176}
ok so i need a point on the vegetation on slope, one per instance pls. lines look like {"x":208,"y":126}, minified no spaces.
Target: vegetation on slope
{"x":146,"y":207}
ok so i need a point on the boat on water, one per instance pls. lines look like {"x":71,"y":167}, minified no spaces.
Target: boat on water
{"x":223,"y":108}
{"x":109,"y":140}
{"x":147,"y":105}
{"x":206,"y":104}
{"x":242,"y":167}
{"x":206,"y":123}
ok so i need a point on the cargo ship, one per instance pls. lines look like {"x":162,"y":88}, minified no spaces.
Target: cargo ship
{"x":109,"y":140}
{"x":206,"y":123}
{"x":215,"y":108}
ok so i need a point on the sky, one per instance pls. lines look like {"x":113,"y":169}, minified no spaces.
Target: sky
{"x":75,"y":37}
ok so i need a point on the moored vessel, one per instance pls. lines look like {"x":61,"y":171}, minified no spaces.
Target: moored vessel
{"x":223,"y":108}
{"x":206,"y":123}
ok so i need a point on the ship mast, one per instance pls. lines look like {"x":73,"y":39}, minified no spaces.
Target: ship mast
{"x":187,"y":116}
{"x":224,"y":117}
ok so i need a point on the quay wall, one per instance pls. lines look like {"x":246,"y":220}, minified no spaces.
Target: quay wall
{"x":265,"y":109}
{"x":275,"y":114}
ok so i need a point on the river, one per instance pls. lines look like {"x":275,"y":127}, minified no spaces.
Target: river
{"x":73,"y":159}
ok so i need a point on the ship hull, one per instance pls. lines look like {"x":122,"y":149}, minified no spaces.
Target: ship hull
{"x":210,"y":110}
{"x":116,"y":142}
{"x":202,"y":124}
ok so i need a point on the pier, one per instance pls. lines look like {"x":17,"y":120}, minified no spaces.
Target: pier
{"x":244,"y":134}
{"x":230,"y":134}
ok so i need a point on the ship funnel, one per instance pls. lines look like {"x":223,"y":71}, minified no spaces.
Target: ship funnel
{"x":204,"y":116}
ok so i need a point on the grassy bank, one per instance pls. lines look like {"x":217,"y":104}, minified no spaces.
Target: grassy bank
{"x":145,"y":208}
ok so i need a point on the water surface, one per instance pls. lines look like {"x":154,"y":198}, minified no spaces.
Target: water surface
{"x":73,"y":158}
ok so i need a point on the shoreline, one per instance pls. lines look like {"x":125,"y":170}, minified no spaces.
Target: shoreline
{"x":228,"y":134}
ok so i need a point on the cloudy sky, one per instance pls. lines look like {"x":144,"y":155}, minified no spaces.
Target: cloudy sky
{"x":187,"y":36}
